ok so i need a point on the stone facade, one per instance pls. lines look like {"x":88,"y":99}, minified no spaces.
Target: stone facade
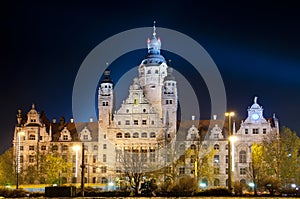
{"x":145,"y":124}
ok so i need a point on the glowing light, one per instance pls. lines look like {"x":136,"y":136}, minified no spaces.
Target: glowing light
{"x":229,"y":114}
{"x":251,"y":184}
{"x":76,"y":148}
{"x":202,"y":185}
{"x":293,"y":185}
{"x":111,"y":184}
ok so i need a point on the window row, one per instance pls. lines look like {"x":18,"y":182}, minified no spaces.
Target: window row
{"x":136,"y":135}
{"x":256,"y":131}
{"x":135,"y":122}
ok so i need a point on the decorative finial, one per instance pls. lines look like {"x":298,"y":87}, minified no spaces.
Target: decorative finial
{"x":106,"y":64}
{"x":154,"y":29}
{"x":255,"y":100}
{"x":33,"y":106}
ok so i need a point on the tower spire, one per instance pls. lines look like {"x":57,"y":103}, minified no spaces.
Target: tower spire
{"x":154,"y":29}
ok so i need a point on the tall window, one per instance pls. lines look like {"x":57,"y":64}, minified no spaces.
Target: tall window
{"x":104,"y":157}
{"x":31,"y":158}
{"x":127,"y":122}
{"x":31,"y":148}
{"x":246,"y":131}
{"x":95,"y":147}
{"x":216,"y":170}
{"x":242,"y":157}
{"x":144,"y":122}
{"x":103,"y":169}
{"x":152,"y":135}
{"x":216,"y":159}
{"x":104,"y":146}
{"x":135,"y":122}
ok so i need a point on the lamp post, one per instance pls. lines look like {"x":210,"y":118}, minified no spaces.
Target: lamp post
{"x":19,"y":134}
{"x":229,"y":115}
{"x":76,"y":149}
{"x":82,"y":170}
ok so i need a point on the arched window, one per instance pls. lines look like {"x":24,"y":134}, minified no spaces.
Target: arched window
{"x":127,"y":135}
{"x":216,"y":147}
{"x":152,"y":135}
{"x":242,"y":157}
{"x":193,"y":147}
{"x":204,"y":183}
{"x":119,"y":135}
{"x":135,"y":135}
{"x":144,"y":135}
{"x":149,"y":72}
{"x":104,"y":180}
{"x":94,"y":179}
{"x":216,"y":182}
{"x":243,"y":181}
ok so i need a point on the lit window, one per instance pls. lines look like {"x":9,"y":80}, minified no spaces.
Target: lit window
{"x":95,"y":147}
{"x":216,"y":158}
{"x":103,"y":170}
{"x":242,"y":157}
{"x":135,"y":135}
{"x":152,"y":135}
{"x":144,"y":135}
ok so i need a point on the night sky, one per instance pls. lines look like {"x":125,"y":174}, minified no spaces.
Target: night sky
{"x":255,"y":45}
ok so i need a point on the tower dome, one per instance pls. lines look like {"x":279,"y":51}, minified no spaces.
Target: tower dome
{"x":154,"y":45}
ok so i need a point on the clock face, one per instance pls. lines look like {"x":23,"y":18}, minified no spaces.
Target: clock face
{"x":255,"y":116}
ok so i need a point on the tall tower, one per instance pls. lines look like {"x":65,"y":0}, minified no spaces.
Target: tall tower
{"x":169,"y":101}
{"x":152,"y":72}
{"x":105,"y":99}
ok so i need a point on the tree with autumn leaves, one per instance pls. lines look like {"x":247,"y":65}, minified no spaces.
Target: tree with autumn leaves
{"x":276,"y":162}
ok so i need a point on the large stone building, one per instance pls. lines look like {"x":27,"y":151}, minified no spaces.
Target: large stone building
{"x":144,"y":128}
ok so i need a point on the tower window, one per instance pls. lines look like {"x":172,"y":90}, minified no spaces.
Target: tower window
{"x":127,"y":122}
{"x":156,"y":71}
{"x":167,"y":101}
{"x":144,"y":122}
{"x":152,"y":122}
{"x":135,"y":122}
{"x":135,"y":102}
{"x":255,"y":131}
{"x":104,"y":103}
{"x":119,"y":122}
{"x":170,"y":101}
{"x":144,"y":110}
{"x":104,"y":146}
{"x":264,"y":131}
{"x":246,"y":131}
{"x":104,"y":157}
{"x":149,"y":72}
{"x":31,"y":137}
{"x":152,"y":135}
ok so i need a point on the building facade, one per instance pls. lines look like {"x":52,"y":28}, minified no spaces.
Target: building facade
{"x":141,"y":135}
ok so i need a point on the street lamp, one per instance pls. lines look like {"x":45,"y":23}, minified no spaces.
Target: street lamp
{"x":76,"y":149}
{"x":229,"y":115}
{"x":19,"y":134}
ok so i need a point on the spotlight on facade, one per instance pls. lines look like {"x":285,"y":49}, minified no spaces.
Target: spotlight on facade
{"x":251,"y":184}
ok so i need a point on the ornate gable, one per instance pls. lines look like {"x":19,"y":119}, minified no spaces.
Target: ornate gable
{"x":65,"y":135}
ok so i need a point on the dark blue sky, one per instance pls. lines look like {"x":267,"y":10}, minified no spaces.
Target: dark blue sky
{"x":255,"y":46}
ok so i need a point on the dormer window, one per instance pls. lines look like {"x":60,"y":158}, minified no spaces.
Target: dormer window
{"x":85,"y":134}
{"x":65,"y":137}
